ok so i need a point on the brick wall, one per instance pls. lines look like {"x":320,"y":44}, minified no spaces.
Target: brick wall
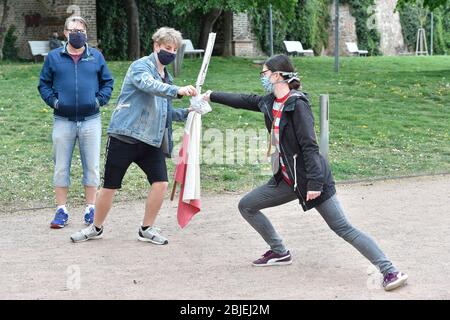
{"x":244,"y":40}
{"x":45,"y":16}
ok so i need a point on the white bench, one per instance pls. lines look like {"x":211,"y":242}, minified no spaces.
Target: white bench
{"x":295,"y":47}
{"x":353,"y":49}
{"x":39,"y":48}
{"x":189,"y":49}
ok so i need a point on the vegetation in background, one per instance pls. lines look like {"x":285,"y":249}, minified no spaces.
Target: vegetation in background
{"x":389,"y":116}
{"x":9,"y":45}
{"x":368,"y":39}
{"x":412,"y":17}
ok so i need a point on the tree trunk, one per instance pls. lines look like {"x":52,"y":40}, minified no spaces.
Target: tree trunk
{"x":3,"y":26}
{"x":228,"y":34}
{"x":134,"y":45}
{"x":208,"y":21}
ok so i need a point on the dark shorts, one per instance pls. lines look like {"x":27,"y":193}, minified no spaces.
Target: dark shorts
{"x":120,"y":155}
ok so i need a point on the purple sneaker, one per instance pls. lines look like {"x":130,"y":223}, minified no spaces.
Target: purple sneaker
{"x":271,"y":258}
{"x":393,"y":280}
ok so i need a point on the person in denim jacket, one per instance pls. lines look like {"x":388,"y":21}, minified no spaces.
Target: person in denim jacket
{"x":140,"y":131}
{"x":75,"y":82}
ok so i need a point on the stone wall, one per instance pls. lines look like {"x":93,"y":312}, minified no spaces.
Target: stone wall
{"x":244,"y":40}
{"x":37,"y":19}
{"x":389,"y":27}
{"x":347,"y":30}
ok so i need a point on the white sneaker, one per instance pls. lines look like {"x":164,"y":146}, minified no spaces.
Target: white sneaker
{"x":153,"y":235}
{"x":87,"y":234}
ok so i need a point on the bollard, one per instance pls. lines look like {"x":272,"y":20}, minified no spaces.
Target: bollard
{"x":324,"y":125}
{"x":178,"y":60}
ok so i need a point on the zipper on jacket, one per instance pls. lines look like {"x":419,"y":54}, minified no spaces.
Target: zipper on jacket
{"x":294,"y":174}
{"x":76,"y":91}
{"x":295,"y":171}
{"x":287,"y":162}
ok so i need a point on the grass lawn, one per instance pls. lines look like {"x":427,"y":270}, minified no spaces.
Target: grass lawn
{"x":389,"y":116}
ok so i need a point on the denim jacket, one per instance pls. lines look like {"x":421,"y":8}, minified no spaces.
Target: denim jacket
{"x":144,"y":106}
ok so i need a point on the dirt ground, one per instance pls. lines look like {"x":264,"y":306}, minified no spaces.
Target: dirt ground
{"x":210,"y":258}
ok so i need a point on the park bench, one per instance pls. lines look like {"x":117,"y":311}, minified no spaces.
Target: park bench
{"x":189,"y":49}
{"x":352,"y":47}
{"x":39,"y":48}
{"x":295,"y":47}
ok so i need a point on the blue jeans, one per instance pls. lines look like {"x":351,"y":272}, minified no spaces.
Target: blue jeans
{"x":65,"y":134}
{"x":267,"y":196}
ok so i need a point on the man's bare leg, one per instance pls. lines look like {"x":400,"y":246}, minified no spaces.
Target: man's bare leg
{"x":102,"y":205}
{"x":154,"y":202}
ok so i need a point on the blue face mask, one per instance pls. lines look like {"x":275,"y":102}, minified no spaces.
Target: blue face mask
{"x":267,"y":85}
{"x":77,"y":39}
{"x":166,"y":57}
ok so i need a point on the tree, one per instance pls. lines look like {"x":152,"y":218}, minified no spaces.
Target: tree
{"x":430,"y":4}
{"x":212,"y":9}
{"x":3,"y":18}
{"x":134,"y":45}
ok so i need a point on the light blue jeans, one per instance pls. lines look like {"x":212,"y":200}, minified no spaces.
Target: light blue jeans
{"x":65,"y":134}
{"x":267,"y":196}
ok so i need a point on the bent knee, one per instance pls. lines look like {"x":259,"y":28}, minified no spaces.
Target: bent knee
{"x":245,"y":207}
{"x":160,"y":186}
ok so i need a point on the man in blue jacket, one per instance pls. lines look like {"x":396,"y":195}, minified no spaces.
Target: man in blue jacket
{"x":75,"y":82}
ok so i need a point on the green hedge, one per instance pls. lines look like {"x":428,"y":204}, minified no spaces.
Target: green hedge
{"x":9,"y":44}
{"x":113,"y":31}
{"x":368,"y":39}
{"x":409,"y":18}
{"x":310,"y":25}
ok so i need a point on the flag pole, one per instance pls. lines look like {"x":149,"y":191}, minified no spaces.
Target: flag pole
{"x":200,"y":80}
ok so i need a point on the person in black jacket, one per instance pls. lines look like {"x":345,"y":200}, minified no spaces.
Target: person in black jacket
{"x":299,"y":170}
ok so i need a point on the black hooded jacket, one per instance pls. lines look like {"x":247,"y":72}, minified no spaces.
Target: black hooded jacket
{"x":298,"y":143}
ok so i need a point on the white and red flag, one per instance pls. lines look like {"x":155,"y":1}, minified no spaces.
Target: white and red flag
{"x":187,"y":171}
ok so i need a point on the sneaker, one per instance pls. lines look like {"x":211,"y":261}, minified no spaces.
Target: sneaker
{"x":60,"y":220}
{"x":89,"y":217}
{"x":393,"y":280}
{"x":153,"y":235}
{"x":87,"y":234}
{"x":271,"y":258}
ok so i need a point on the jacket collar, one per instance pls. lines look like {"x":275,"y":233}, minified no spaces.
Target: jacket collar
{"x":289,"y":105}
{"x":295,"y":95}
{"x":86,"y":53}
{"x":151,"y":60}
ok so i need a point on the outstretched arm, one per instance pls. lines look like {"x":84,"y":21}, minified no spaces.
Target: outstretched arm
{"x":239,"y":101}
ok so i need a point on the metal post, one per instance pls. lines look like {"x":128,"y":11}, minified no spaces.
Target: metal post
{"x":336,"y":40}
{"x":270,"y":30}
{"x":324,"y":125}
{"x":431,"y":39}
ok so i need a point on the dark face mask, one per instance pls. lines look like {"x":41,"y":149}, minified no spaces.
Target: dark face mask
{"x":166,"y":57}
{"x":77,"y":39}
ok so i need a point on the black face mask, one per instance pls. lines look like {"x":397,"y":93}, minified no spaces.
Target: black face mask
{"x":77,"y":39}
{"x":166,"y":57}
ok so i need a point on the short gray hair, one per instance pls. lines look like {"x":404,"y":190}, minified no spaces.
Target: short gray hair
{"x":75,"y":19}
{"x":167,"y":35}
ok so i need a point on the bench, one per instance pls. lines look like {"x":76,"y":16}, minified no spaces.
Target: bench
{"x":353,"y":49}
{"x":295,"y":47}
{"x":39,"y":48}
{"x":189,"y":48}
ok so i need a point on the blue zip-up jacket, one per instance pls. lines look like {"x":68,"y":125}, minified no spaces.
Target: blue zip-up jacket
{"x":75,"y":90}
